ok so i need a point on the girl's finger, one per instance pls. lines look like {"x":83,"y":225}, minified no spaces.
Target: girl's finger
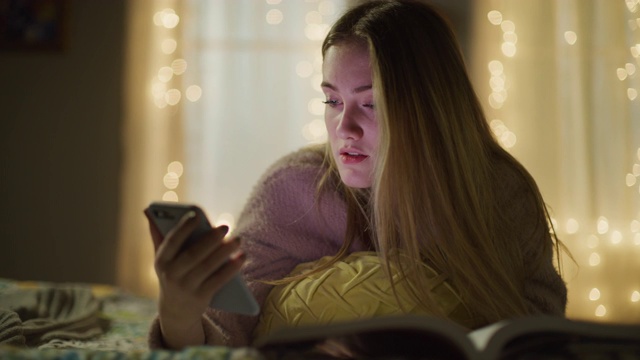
{"x":198,"y":253}
{"x":217,"y":280}
{"x":176,"y":237}
{"x":212,"y":263}
{"x":206,"y":243}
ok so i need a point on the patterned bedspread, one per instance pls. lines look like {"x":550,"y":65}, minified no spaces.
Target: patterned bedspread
{"x":125,"y":321}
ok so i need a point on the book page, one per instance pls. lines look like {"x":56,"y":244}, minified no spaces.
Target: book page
{"x":480,"y":337}
{"x":548,"y":335}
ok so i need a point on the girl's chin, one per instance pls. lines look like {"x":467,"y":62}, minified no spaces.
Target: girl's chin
{"x":355,"y":182}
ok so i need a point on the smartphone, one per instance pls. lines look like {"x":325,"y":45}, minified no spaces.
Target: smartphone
{"x":234,"y":296}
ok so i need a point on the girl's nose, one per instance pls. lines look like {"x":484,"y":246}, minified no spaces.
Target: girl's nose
{"x":348,"y":126}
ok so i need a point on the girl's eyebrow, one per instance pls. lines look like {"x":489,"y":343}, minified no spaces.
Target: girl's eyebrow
{"x":358,"y":89}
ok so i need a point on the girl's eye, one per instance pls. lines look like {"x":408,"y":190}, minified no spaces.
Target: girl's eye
{"x":331,"y":103}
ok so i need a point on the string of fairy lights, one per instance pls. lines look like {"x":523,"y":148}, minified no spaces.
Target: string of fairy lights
{"x":498,"y":81}
{"x":604,"y":232}
{"x":627,"y":73}
{"x":317,"y":24}
{"x":166,"y":95}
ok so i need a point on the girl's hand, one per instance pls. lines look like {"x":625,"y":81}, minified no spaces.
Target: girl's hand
{"x":189,"y":277}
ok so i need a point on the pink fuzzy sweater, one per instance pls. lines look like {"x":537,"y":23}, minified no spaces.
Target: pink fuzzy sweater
{"x":284,"y":224}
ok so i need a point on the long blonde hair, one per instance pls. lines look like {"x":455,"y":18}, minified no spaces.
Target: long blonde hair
{"x":433,"y":199}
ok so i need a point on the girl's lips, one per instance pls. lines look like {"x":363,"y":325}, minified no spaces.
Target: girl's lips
{"x":352,"y":157}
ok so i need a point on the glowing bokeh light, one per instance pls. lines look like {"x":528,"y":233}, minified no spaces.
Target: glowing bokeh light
{"x":316,"y":32}
{"x":171,"y":180}
{"x":572,"y":226}
{"x":168,"y":46}
{"x":176,"y":168}
{"x":170,"y":196}
{"x":193,"y":93}
{"x":510,"y":37}
{"x":179,"y":66}
{"x":602,"y":225}
{"x":173,"y":96}
{"x":274,"y":17}
{"x":315,"y":131}
{"x":508,"y":26}
{"x":495,"y":17}
{"x":316,"y":106}
{"x":622,"y":74}
{"x":170,"y":19}
{"x":509,"y":49}
{"x":570,"y":37}
{"x":496,"y":67}
{"x":165,"y":74}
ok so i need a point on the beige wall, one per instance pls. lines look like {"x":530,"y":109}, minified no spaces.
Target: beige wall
{"x":60,"y":121}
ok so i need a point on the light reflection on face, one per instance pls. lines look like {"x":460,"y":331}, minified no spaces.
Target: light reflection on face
{"x":349,"y":115}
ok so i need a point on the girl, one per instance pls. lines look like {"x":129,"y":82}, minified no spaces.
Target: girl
{"x":410,"y":207}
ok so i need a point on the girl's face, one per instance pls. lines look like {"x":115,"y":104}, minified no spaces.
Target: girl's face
{"x":349,"y":115}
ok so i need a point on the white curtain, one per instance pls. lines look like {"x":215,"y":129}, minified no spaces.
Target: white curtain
{"x":258,"y":64}
{"x":220,"y":89}
{"x":559,"y":80}
{"x":217,"y":91}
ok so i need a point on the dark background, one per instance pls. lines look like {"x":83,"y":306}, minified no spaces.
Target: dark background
{"x":61,"y":112}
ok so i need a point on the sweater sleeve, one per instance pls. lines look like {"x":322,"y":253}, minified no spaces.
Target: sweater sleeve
{"x":544,"y":290}
{"x":282,"y":224}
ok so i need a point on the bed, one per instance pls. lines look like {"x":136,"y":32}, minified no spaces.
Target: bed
{"x":70,"y":321}
{"x":43,"y":320}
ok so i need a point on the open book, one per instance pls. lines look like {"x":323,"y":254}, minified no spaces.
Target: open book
{"x":413,"y":337}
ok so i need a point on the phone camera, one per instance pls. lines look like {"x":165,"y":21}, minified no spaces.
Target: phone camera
{"x":162,"y":214}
